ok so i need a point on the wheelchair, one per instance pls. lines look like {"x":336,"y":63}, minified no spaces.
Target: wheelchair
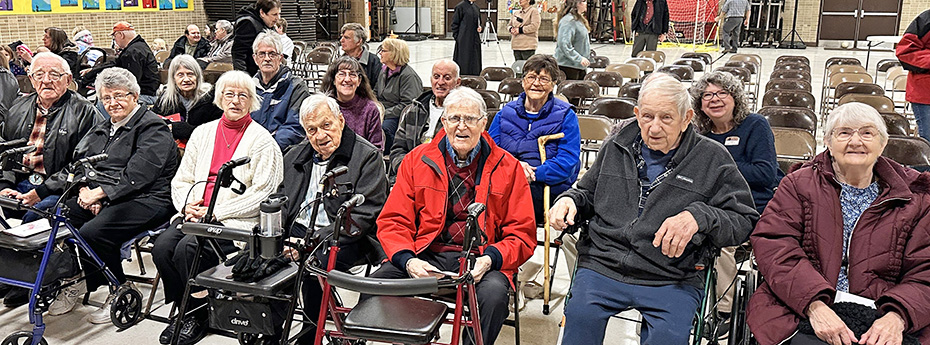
{"x":38,"y":262}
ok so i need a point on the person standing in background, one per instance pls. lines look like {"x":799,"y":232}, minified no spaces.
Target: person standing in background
{"x":650,"y":23}
{"x":572,"y":46}
{"x":914,"y":53}
{"x":466,"y":25}
{"x":736,"y":13}
{"x":524,"y":28}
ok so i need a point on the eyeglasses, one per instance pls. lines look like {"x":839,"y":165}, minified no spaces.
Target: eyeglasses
{"x":262,"y":55}
{"x":119,"y":97}
{"x":846,"y":133}
{"x":710,"y":95}
{"x":534,"y":78}
{"x":41,"y":75}
{"x":346,"y":75}
{"x":469,"y":121}
{"x":228,"y":95}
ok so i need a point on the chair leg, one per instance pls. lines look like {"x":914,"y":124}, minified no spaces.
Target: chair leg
{"x":148,"y":305}
{"x":139,"y":256}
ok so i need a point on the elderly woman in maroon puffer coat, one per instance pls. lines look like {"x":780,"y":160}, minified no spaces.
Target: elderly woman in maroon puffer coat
{"x":847,"y":223}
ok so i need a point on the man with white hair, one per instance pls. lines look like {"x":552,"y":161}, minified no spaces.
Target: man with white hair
{"x":191,"y":44}
{"x":659,"y":200}
{"x":136,"y":57}
{"x":53,"y":119}
{"x":221,"y":48}
{"x":281,"y":91}
{"x":422,"y":224}
{"x":353,"y":42}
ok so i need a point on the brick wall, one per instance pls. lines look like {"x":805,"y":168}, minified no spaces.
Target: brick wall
{"x":167,"y":25}
{"x":809,"y":16}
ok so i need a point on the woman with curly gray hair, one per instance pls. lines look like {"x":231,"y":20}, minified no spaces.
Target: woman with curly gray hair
{"x":721,"y":112}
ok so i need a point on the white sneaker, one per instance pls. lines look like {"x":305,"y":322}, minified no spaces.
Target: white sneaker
{"x":68,"y":298}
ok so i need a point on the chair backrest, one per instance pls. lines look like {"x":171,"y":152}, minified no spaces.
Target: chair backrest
{"x":517,"y":67}
{"x":579,"y":89}
{"x":491,"y":98}
{"x":497,"y":73}
{"x":897,"y":124}
{"x":884,"y":64}
{"x":630,"y":90}
{"x":790,"y":117}
{"x":599,"y":61}
{"x":790,"y":74}
{"x":790,"y":98}
{"x":683,"y":73}
{"x":910,"y":151}
{"x":25,"y":85}
{"x":860,"y":88}
{"x":219,"y":66}
{"x":794,"y":143}
{"x":793,"y":66}
{"x":741,"y":73}
{"x":697,"y":65}
{"x":593,"y":127}
{"x":895,"y":72}
{"x":162,"y":56}
{"x":657,"y":56}
{"x":793,"y":58}
{"x":788,"y":84}
{"x":841,"y":61}
{"x":320,"y":56}
{"x":605,"y":79}
{"x":751,"y":66}
{"x":613,"y":107}
{"x":628,"y":71}
{"x":845,"y":69}
{"x":703,"y":56}
{"x":754,"y":58}
{"x":511,"y":87}
{"x":838,"y":78}
{"x":899,"y":83}
{"x":881,"y":103}
{"x":645,"y":65}
{"x":474,"y":82}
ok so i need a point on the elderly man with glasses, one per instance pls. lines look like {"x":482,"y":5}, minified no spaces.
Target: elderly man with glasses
{"x":281,"y":91}
{"x":421,"y":227}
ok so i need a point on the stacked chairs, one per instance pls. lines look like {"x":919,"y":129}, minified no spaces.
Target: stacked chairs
{"x":696,"y":65}
{"x":497,"y":74}
{"x":657,"y":56}
{"x":628,"y":71}
{"x":474,"y":82}
{"x":684,"y":73}
{"x":880,"y":102}
{"x":740,"y":73}
{"x":630,"y":90}
{"x":788,"y":84}
{"x":646,"y":66}
{"x":606,"y":80}
{"x":579,"y":93}
{"x":708,"y":60}
{"x":790,"y":74}
{"x":790,"y":117}
{"x":792,"y":58}
{"x":909,"y":151}
{"x":862,"y":88}
{"x":599,"y":62}
{"x":789,"y":98}
{"x":614,"y":108}
{"x":836,"y":75}
{"x":510,"y":88}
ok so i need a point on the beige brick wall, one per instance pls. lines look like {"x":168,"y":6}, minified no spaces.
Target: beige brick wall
{"x":910,"y":9}
{"x":167,"y":25}
{"x":809,"y":16}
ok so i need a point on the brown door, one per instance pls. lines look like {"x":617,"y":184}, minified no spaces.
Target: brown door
{"x":482,"y":6}
{"x":854,"y":20}
{"x":838,"y":19}
{"x":879,"y":18}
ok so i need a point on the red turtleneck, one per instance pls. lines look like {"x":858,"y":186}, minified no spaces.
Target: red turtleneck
{"x":228,"y":135}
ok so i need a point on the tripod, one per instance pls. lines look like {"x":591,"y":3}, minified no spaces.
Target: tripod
{"x":415,"y":36}
{"x":489,"y":28}
{"x":794,"y":24}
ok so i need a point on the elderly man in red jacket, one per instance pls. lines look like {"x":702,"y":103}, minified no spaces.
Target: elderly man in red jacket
{"x":422,"y":224}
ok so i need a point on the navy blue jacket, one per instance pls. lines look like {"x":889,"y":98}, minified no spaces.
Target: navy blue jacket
{"x":752,"y":146}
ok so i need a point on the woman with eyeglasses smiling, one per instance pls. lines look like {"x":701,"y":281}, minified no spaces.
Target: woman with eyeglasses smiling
{"x":345,"y":80}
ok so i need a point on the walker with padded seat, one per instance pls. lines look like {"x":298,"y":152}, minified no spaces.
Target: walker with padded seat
{"x":29,"y":258}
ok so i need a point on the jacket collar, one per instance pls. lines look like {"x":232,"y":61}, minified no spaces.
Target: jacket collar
{"x":433,"y":155}
{"x":343,"y":153}
{"x":278,"y":77}
{"x":891,"y":176}
{"x":631,"y":133}
{"x":134,"y":119}
{"x":519,"y":105}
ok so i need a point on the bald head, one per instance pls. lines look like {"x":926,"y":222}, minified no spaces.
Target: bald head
{"x":444,"y":78}
{"x":193,"y":34}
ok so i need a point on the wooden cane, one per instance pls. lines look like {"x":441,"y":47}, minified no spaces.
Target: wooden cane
{"x":542,"y":158}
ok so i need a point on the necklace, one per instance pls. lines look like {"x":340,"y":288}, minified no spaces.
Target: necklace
{"x":223,"y":133}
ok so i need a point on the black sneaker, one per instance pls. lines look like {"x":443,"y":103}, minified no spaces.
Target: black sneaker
{"x":16,"y":297}
{"x":193,"y":328}
{"x":718,"y":330}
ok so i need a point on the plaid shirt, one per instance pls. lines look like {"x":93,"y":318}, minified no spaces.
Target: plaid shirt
{"x":33,"y":161}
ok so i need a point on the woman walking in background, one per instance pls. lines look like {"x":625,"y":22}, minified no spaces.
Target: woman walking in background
{"x":572,"y":46}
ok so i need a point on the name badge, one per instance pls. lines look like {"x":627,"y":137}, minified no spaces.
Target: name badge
{"x":36,"y":179}
{"x":731,"y":141}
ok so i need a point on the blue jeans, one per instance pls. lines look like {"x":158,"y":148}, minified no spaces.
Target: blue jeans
{"x":390,"y":129}
{"x":144,"y":100}
{"x":922,"y":114}
{"x":45,"y":204}
{"x":667,"y":310}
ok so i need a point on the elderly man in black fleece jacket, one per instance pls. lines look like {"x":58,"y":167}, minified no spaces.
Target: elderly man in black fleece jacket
{"x":660,"y":199}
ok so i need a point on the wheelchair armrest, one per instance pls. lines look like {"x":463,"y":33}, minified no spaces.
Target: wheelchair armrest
{"x":10,"y":203}
{"x":380,"y":286}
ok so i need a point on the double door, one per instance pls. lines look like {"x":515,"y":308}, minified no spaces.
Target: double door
{"x":851,"y":21}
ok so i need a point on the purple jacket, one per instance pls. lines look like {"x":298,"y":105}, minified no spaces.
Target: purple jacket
{"x":363,"y":117}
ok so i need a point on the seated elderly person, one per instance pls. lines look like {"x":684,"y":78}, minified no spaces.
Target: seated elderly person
{"x":535,"y":113}
{"x":188,"y":97}
{"x":422,"y":225}
{"x":330,"y":144}
{"x":346,"y":81}
{"x":234,"y":135}
{"x":191,"y":44}
{"x":281,"y":91}
{"x":142,"y":159}
{"x":659,"y":199}
{"x":849,"y":222}
{"x":221,"y":47}
{"x":420,"y":120}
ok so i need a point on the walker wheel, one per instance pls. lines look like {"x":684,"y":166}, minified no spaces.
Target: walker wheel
{"x":127,"y":308}
{"x":254,"y":339}
{"x":21,"y":338}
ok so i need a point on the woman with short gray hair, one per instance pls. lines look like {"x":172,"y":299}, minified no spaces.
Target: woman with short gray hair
{"x":221,"y":47}
{"x":186,"y":99}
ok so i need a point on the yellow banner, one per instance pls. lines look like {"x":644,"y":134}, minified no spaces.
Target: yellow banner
{"x":90,"y":6}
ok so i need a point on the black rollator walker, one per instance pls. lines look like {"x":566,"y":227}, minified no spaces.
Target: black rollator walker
{"x":26,"y":273}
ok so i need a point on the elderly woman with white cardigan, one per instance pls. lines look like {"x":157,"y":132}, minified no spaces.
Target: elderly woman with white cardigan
{"x":233,"y":136}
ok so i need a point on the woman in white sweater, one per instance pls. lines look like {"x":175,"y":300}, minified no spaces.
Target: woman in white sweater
{"x":233,"y":136}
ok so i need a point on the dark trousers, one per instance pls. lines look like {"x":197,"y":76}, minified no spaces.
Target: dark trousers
{"x":492,"y":292}
{"x":114,"y":225}
{"x":729,"y":38}
{"x":573,"y":73}
{"x":644,"y":41}
{"x":667,"y":310}
{"x":312,"y":292}
{"x":523,"y":54}
{"x":174,"y":254}
{"x":390,"y":129}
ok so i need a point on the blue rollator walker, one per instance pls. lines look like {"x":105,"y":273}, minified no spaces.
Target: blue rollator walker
{"x":127,"y":306}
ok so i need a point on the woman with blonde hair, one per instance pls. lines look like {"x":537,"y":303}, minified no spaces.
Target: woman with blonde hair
{"x":398,"y":85}
{"x":572,"y":47}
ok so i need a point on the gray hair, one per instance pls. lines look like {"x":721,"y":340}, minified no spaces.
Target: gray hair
{"x":457,"y":70}
{"x":268,"y":37}
{"x":238,"y":79}
{"x":65,"y":68}
{"x":117,"y":78}
{"x":466,"y":96}
{"x":225,"y":25}
{"x":360,"y":35}
{"x":724,"y":81}
{"x":310,"y":104}
{"x":172,"y":96}
{"x":854,"y":114}
{"x":665,"y":85}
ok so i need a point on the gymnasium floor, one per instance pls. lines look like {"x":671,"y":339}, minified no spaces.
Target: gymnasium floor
{"x":536,"y":327}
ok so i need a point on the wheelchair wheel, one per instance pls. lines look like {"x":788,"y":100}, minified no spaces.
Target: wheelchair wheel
{"x":254,"y":339}
{"x":126,"y":309}
{"x":21,"y":338}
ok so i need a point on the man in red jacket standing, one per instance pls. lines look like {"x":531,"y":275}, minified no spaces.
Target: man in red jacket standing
{"x":914,"y":53}
{"x":422,"y":224}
